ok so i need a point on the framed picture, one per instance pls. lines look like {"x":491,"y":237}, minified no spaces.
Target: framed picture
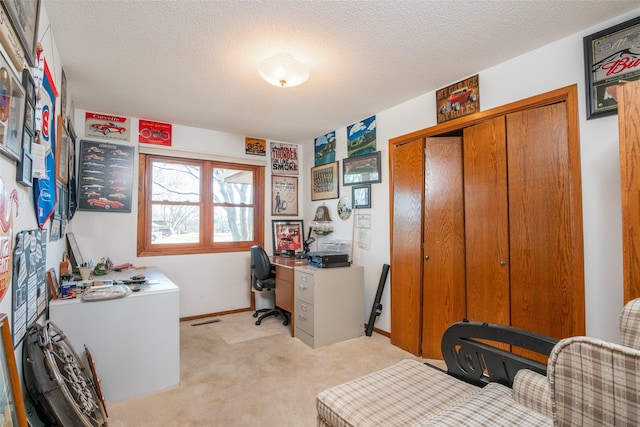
{"x":24,"y":169}
{"x":609,"y":60}
{"x":324,"y":182}
{"x":62,"y":152}
{"x":75,"y":257}
{"x":24,"y":18}
{"x":361,"y":169}
{"x":288,"y":235}
{"x":11,"y":399}
{"x":12,"y":99}
{"x":361,"y":195}
{"x":284,"y":195}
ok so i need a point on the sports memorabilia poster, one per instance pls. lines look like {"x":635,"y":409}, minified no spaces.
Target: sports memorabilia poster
{"x":45,"y":188}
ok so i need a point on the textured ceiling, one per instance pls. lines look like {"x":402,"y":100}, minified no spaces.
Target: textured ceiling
{"x":194,"y":62}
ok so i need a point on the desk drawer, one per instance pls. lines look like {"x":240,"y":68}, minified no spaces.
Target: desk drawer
{"x":304,"y":316}
{"x":304,"y":286}
{"x":284,"y":273}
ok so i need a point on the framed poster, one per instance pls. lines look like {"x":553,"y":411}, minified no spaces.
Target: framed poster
{"x":105,"y":181}
{"x":610,"y":59}
{"x":12,"y":99}
{"x":24,"y":18}
{"x":361,"y":169}
{"x":324,"y":182}
{"x":288,"y":235}
{"x":284,"y":193}
{"x":459,"y":99}
{"x":154,"y":133}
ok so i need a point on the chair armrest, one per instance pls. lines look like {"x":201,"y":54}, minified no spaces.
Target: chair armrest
{"x":480,"y":362}
{"x":594,"y":382}
{"x":531,"y":389}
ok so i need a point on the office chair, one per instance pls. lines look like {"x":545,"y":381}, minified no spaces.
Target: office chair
{"x":264,"y":279}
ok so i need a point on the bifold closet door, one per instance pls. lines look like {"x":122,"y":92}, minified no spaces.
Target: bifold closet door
{"x":407,"y":168}
{"x":545,"y":223}
{"x":487,"y":222}
{"x":443,"y":295}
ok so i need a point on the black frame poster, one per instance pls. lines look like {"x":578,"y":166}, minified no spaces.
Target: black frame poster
{"x":30,"y":295}
{"x":105,"y":180}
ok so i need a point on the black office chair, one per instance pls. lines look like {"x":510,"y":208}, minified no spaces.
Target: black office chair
{"x":264,"y":279}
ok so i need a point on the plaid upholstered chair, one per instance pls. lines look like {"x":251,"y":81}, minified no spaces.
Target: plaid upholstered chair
{"x":588,"y":382}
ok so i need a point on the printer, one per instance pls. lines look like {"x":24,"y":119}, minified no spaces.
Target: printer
{"x":328,"y":259}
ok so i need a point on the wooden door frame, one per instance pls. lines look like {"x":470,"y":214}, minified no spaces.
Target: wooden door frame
{"x":567,"y":94}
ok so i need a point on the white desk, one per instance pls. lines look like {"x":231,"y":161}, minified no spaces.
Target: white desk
{"x":135,"y":340}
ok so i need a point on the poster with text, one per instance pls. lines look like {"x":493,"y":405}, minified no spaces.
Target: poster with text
{"x":107,"y":126}
{"x":255,"y":146}
{"x":154,"y":133}
{"x":284,"y":193}
{"x":105,"y":181}
{"x":284,"y":159}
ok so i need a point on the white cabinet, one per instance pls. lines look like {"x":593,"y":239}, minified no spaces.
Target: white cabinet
{"x":135,"y":341}
{"x":329,"y":304}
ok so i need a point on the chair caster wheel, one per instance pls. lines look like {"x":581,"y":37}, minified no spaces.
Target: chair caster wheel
{"x":255,"y":314}
{"x":258,"y":322}
{"x":285,"y":323}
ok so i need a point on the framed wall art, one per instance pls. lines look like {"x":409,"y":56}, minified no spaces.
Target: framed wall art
{"x":284,"y":193}
{"x":62,"y":152}
{"x":324,"y":182}
{"x":12,"y":99}
{"x":609,"y":61}
{"x":11,"y":400}
{"x":105,"y":181}
{"x":24,"y":169}
{"x":361,"y":195}
{"x":288,"y":235}
{"x":459,"y":99}
{"x":24,"y":18}
{"x":363,"y":169}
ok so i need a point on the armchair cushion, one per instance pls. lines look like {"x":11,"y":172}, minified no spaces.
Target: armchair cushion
{"x":630,"y":324}
{"x":404,"y":394}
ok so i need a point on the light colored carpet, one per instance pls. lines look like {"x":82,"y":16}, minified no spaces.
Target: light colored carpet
{"x":233,"y":328}
{"x":270,"y":379}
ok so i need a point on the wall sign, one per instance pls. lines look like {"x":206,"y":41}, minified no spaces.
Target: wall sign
{"x":105,"y":181}
{"x":459,"y":99}
{"x":284,"y":159}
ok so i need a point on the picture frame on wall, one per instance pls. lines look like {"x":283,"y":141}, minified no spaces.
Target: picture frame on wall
{"x":24,"y":169}
{"x":361,"y":195}
{"x":363,"y":169}
{"x":325,"y":182}
{"x":24,"y":15}
{"x":607,"y":55}
{"x":11,"y":113}
{"x":284,"y":195}
{"x":288,"y":235}
{"x":15,"y":413}
{"x":62,"y":152}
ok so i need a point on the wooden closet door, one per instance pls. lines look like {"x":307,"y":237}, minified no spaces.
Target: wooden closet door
{"x":487,"y":222}
{"x":407,"y":169}
{"x":443,"y":301}
{"x":545,"y":217}
{"x":629,"y":128}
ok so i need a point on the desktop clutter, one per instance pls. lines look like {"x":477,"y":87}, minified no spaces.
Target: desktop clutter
{"x":89,"y":285}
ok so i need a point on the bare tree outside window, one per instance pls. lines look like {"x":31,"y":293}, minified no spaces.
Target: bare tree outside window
{"x":195,"y":205}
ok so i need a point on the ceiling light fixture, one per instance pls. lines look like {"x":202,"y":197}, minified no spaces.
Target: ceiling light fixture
{"x":283,"y":70}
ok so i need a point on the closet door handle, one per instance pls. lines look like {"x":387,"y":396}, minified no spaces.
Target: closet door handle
{"x":503,"y":263}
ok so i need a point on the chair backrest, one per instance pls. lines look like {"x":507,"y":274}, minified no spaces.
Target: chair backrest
{"x":630,"y":324}
{"x":260,"y":263}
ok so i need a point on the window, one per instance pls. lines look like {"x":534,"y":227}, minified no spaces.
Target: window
{"x":198,"y":206}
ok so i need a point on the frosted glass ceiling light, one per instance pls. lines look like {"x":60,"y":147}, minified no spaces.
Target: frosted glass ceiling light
{"x":283,"y":70}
